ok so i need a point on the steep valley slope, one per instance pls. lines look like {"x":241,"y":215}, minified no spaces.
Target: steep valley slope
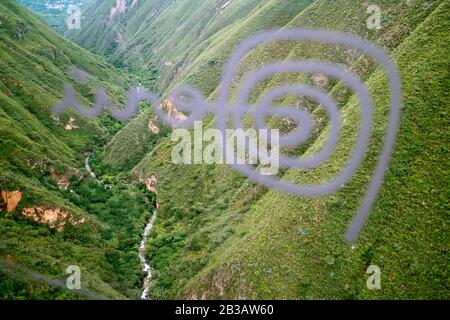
{"x":220,"y":235}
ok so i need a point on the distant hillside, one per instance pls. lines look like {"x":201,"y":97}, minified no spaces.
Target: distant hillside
{"x":54,"y":12}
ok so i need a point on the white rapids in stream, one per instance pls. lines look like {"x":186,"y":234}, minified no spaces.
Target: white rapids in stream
{"x":146,"y":268}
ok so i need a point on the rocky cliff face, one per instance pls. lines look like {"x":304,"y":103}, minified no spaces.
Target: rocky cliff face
{"x":172,"y":111}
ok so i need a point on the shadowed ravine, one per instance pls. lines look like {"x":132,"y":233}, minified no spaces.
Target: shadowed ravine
{"x":146,"y":268}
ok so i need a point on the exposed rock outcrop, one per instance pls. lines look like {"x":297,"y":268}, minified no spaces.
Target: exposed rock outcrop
{"x":120,"y":7}
{"x":55,"y":218}
{"x":320,"y":80}
{"x":10,"y":200}
{"x":150,"y":183}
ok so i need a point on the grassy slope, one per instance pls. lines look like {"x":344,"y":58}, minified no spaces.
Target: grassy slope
{"x":216,"y":232}
{"x":55,"y":17}
{"x":156,"y":32}
{"x":32,"y":72}
{"x":297,"y":250}
{"x":217,"y":198}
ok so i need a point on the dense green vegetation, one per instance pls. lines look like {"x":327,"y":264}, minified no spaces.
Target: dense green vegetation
{"x":219,"y":235}
{"x":36,"y":149}
{"x":54,"y":12}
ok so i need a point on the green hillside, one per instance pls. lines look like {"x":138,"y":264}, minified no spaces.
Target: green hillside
{"x":221,"y":236}
{"x":42,"y":159}
{"x":217,"y":234}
